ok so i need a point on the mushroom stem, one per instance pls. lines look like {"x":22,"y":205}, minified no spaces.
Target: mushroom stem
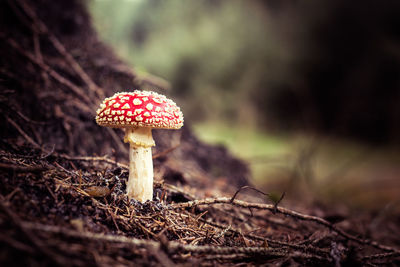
{"x":140,"y":183}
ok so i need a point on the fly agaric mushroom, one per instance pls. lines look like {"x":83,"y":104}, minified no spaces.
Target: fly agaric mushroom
{"x":138,"y":112}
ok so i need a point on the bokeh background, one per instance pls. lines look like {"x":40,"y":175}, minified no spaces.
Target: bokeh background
{"x":306,"y":92}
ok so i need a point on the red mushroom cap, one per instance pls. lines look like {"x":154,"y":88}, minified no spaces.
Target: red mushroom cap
{"x":139,"y":109}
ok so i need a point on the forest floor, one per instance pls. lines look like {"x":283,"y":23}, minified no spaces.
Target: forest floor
{"x":56,"y":209}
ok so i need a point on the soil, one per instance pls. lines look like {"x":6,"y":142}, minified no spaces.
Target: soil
{"x":62,"y":193}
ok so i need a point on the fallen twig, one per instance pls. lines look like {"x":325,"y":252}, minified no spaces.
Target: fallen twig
{"x":381,"y":256}
{"x":172,"y":246}
{"x":276,"y":202}
{"x":18,"y":168}
{"x":284,"y":211}
{"x":247,"y":187}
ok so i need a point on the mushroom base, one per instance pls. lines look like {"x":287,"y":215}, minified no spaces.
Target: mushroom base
{"x":140,"y":183}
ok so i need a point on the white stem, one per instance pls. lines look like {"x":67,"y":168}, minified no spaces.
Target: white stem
{"x":140,"y":183}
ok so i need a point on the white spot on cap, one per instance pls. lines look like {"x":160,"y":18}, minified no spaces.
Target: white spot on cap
{"x":138,"y":118}
{"x":145,"y":99}
{"x":147,"y":114}
{"x":116,"y":118}
{"x":158,"y":109}
{"x":116,"y":105}
{"x":126,"y":106}
{"x":149,"y":106}
{"x":113,"y":112}
{"x":121,"y":117}
{"x":107,"y":111}
{"x":137,"y":101}
{"x":129,"y":113}
{"x":137,"y":111}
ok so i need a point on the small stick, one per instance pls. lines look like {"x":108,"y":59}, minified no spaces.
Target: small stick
{"x":39,"y":56}
{"x":27,"y":138}
{"x":247,"y":187}
{"x":18,"y":168}
{"x":381,"y":256}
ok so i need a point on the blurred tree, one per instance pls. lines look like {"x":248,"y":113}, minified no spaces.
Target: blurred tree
{"x":348,"y":69}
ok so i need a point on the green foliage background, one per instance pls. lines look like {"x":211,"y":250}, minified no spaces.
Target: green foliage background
{"x":218,"y":55}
